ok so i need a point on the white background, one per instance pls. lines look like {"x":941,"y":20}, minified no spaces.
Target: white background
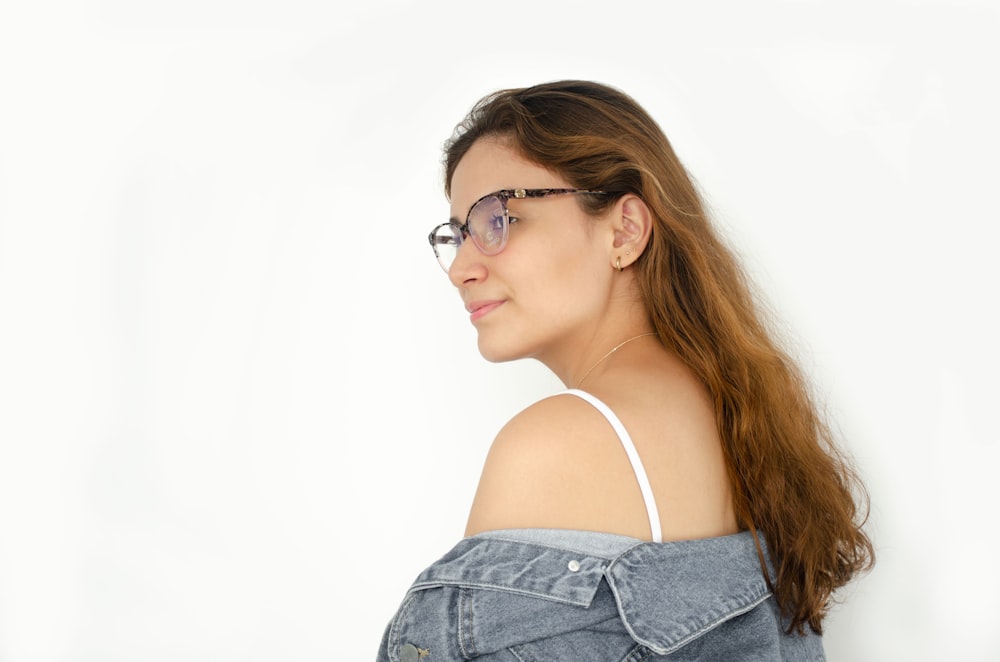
{"x":241,"y":407}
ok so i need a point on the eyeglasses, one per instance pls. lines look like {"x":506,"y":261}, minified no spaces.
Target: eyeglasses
{"x":488,"y":223}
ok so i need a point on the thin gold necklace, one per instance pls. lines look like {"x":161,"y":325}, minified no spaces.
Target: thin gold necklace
{"x":613,"y":350}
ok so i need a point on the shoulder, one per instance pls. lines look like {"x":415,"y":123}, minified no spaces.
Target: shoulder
{"x":543,"y":464}
{"x":547,"y":425}
{"x":551,"y":429}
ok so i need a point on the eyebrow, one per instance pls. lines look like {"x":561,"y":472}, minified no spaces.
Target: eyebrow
{"x":461,"y":222}
{"x":504,"y":200}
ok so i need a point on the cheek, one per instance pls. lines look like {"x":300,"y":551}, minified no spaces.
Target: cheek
{"x":553,"y":275}
{"x":559,"y":253}
{"x":566,"y":294}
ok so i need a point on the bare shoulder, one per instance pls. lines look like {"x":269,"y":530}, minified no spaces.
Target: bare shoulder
{"x":551,"y":425}
{"x":560,"y":464}
{"x":543,"y":466}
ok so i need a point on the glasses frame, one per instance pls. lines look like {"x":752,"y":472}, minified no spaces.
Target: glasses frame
{"x":503,"y":195}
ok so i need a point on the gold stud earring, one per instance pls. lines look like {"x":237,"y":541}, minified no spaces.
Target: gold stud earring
{"x":618,"y":263}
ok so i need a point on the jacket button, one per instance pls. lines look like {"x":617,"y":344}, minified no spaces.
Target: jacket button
{"x":573,"y":566}
{"x":408,"y":653}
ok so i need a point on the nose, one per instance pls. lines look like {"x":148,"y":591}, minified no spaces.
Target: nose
{"x":469,"y":265}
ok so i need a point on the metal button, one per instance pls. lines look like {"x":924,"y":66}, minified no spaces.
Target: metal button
{"x":573,"y":566}
{"x":408,"y":653}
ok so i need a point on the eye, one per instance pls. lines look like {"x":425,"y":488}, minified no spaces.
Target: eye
{"x":487,"y":224}
{"x":494,"y":228}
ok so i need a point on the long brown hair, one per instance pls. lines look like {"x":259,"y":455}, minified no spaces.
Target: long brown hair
{"x":789,"y":479}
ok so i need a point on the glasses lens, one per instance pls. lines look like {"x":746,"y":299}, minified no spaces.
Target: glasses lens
{"x":445,"y":240}
{"x":488,"y":225}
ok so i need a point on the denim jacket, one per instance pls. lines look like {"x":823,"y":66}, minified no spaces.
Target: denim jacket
{"x":505,"y":596}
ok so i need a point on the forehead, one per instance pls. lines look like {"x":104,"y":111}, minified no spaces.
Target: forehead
{"x":490,"y":165}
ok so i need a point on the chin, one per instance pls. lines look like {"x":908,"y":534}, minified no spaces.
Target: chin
{"x":495,"y":352}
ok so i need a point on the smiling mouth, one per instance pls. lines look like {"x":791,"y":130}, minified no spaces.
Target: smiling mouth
{"x":480,"y":310}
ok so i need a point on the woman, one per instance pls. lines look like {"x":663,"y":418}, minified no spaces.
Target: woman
{"x":683,"y":498}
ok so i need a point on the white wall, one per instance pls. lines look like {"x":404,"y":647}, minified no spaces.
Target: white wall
{"x":241,"y":408}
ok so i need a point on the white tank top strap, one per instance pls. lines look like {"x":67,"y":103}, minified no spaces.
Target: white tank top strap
{"x":633,"y":456}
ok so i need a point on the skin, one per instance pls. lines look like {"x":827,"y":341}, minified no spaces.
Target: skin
{"x":554,"y":295}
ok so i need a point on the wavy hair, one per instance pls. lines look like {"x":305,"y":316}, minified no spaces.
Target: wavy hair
{"x":790,"y":481}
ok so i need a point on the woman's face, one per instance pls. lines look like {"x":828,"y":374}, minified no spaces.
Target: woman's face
{"x":545,"y":293}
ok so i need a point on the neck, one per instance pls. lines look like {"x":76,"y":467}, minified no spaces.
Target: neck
{"x":607,"y":355}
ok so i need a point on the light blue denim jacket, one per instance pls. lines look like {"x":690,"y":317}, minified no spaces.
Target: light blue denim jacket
{"x":551,"y":596}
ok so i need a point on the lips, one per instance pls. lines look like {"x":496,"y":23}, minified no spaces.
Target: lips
{"x":479,"y":309}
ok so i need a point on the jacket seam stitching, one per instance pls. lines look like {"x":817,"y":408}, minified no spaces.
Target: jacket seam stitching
{"x":500,"y":587}
{"x":395,"y":634}
{"x":465,"y":625}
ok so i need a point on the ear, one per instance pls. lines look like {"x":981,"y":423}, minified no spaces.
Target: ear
{"x":633,"y":226}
